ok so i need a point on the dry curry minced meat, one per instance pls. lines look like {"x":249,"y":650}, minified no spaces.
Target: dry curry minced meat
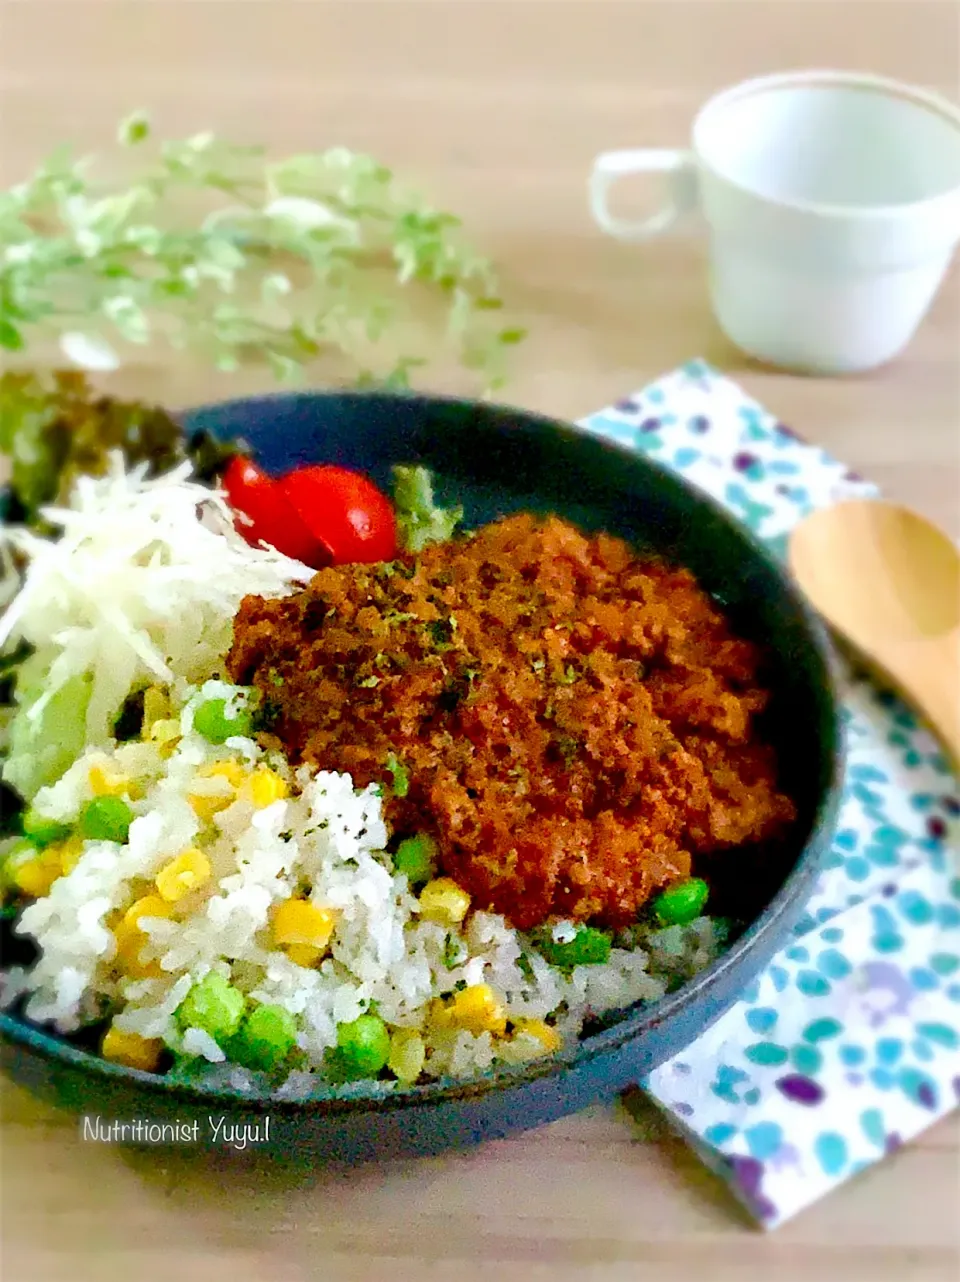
{"x":572,"y":722}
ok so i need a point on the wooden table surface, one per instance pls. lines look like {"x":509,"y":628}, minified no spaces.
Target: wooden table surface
{"x":495,"y":108}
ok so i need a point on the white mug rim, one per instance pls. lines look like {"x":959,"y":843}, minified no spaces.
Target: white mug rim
{"x":825,"y":76}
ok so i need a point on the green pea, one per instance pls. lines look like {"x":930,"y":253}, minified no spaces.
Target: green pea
{"x":363,"y":1046}
{"x":211,"y":720}
{"x":416,"y":857}
{"x":43,"y":832}
{"x":589,"y":947}
{"x":682,"y":903}
{"x":264,"y":1039}
{"x":213,"y":1005}
{"x":106,"y":819}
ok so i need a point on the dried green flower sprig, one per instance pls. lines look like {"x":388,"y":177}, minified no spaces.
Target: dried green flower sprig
{"x":288,"y":261}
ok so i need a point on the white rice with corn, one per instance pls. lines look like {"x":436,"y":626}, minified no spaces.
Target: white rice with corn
{"x":230,"y":873}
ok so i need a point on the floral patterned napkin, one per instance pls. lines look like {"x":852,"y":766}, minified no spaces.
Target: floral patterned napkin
{"x":849,"y":1044}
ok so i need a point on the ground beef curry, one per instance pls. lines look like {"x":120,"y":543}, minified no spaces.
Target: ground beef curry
{"x":573,"y":723}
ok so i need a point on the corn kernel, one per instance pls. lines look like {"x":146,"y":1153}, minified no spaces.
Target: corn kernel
{"x":36,"y":875}
{"x":229,"y":775}
{"x":130,"y":938}
{"x":105,"y":782}
{"x":232,"y":771}
{"x":548,"y":1037}
{"x":443,"y":901}
{"x":131,"y":1050}
{"x":189,"y":870}
{"x":69,"y":852}
{"x":407,"y":1053}
{"x":477,"y":1009}
{"x":304,"y":954}
{"x":156,"y":708}
{"x":297,"y":921}
{"x":135,"y":966}
{"x":148,"y":906}
{"x":165,"y":733}
{"x":207,"y":804}
{"x":263,"y":788}
{"x":130,"y":961}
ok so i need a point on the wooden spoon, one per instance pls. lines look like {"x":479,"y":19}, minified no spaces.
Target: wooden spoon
{"x":889,"y":582}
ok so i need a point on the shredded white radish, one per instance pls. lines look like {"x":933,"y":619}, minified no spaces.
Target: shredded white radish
{"x":142,"y":583}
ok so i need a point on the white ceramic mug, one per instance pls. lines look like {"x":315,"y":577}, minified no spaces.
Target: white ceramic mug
{"x":832,"y":204}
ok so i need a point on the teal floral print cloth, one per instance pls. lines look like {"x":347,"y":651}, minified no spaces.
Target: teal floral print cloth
{"x":848,"y":1045}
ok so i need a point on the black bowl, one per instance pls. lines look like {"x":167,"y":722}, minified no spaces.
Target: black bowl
{"x":495,"y":460}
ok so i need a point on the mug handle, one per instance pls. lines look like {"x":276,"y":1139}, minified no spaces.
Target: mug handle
{"x":680,"y":168}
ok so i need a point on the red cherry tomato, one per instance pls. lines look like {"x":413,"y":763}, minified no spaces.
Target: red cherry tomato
{"x":253,"y":493}
{"x":345,"y":511}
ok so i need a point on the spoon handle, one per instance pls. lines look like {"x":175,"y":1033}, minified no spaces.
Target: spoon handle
{"x":932,"y":679}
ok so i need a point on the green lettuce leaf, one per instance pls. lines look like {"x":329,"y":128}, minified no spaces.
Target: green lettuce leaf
{"x":40,"y":749}
{"x":419,"y":520}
